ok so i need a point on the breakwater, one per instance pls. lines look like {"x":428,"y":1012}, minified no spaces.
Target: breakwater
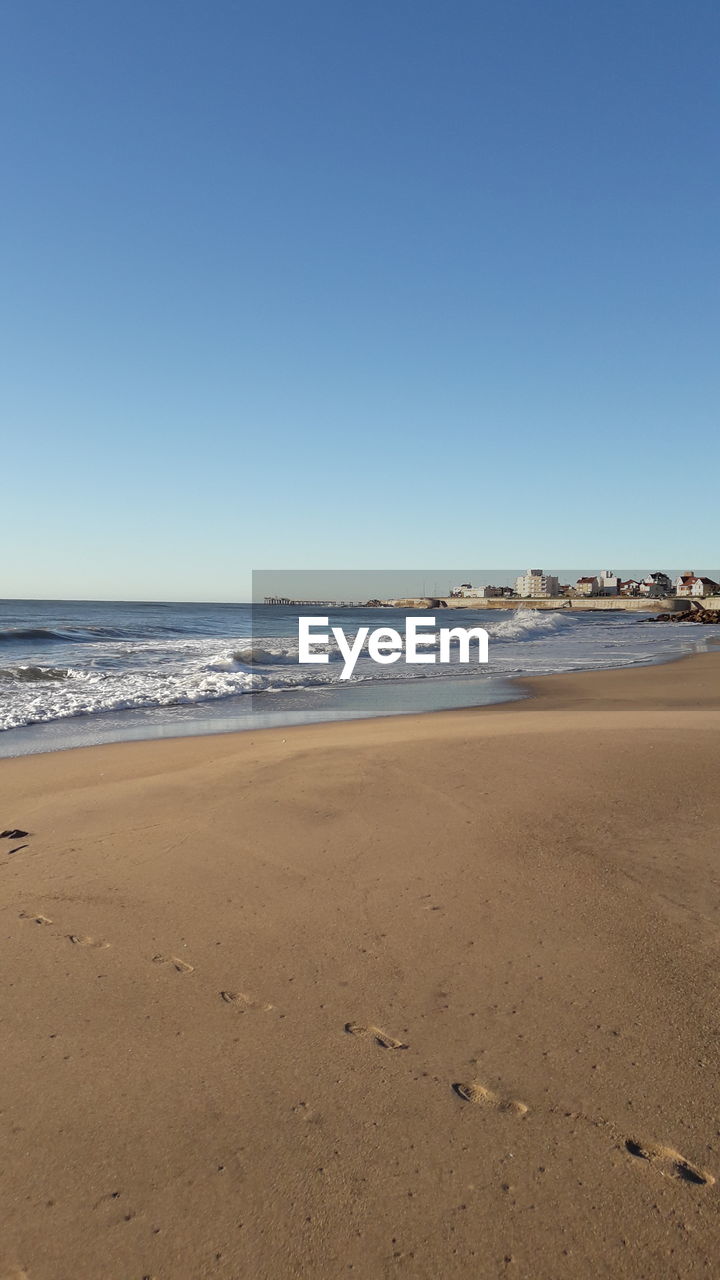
{"x":588,"y":604}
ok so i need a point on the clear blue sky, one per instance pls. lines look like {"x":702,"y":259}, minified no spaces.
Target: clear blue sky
{"x":312,"y":283}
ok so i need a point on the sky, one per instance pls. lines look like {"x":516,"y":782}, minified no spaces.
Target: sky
{"x":317,"y":284}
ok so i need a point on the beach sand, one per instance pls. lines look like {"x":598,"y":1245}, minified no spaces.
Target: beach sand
{"x":427,"y":996}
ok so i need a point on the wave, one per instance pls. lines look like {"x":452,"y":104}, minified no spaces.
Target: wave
{"x":255,"y":656}
{"x":263,"y":651}
{"x":13,"y":634}
{"x":268,"y":653}
{"x":31,"y":633}
{"x":522,"y":624}
{"x":529,"y":624}
{"x":74,"y":635}
{"x":30,"y":675}
{"x":85,"y":693}
{"x":131,"y":671}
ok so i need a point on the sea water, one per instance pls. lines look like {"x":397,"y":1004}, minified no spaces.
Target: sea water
{"x":76,"y":672}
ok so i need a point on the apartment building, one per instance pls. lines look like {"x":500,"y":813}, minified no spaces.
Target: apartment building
{"x":537,"y":583}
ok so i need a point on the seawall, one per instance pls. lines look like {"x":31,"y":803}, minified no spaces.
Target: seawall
{"x":626,"y":604}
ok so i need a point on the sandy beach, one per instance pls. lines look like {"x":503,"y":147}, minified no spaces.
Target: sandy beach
{"x":425,"y":996}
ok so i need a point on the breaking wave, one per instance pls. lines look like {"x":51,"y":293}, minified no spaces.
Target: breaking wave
{"x":255,"y":656}
{"x":30,"y":675}
{"x":84,"y":693}
{"x":129,"y":659}
{"x":529,"y":624}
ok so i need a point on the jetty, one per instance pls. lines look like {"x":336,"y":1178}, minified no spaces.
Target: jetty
{"x":311,"y":604}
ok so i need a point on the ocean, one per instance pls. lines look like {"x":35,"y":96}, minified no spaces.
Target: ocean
{"x":80,"y":672}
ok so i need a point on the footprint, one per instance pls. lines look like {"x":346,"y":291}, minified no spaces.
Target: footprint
{"x":29,"y":915}
{"x":484,"y":1097}
{"x":669,"y":1162}
{"x":180,"y":965}
{"x":242,"y":1002}
{"x":380,"y":1037}
{"x":82,"y":940}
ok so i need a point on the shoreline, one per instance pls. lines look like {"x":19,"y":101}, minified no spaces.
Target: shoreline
{"x":552,"y":692}
{"x":517,"y":689}
{"x":423,"y":995}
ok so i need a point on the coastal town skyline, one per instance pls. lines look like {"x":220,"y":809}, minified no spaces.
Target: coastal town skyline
{"x":356,"y":586}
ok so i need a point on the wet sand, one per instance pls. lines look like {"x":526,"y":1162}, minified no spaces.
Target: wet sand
{"x":418,"y":997}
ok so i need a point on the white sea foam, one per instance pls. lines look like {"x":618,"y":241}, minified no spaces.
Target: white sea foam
{"x":187,"y":675}
{"x":528,"y":624}
{"x":48,"y":679}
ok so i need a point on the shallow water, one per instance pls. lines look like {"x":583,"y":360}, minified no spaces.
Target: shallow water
{"x":83,"y":672}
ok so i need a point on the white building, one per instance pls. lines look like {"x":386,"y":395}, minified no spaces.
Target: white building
{"x":466,"y":591}
{"x":608,"y":583}
{"x":688,"y":585}
{"x":656,"y":585}
{"x":537,"y":583}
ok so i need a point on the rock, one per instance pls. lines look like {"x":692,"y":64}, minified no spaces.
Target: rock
{"x":696,"y":614}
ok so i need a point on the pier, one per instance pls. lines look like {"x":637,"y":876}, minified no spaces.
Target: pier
{"x":311,"y":604}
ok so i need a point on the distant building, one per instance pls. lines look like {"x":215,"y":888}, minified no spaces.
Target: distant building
{"x":631,"y":587}
{"x":656,"y":585}
{"x":466,"y":591}
{"x":608,"y":583}
{"x":536,"y":583}
{"x":586,"y":586}
{"x":689,"y":585}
